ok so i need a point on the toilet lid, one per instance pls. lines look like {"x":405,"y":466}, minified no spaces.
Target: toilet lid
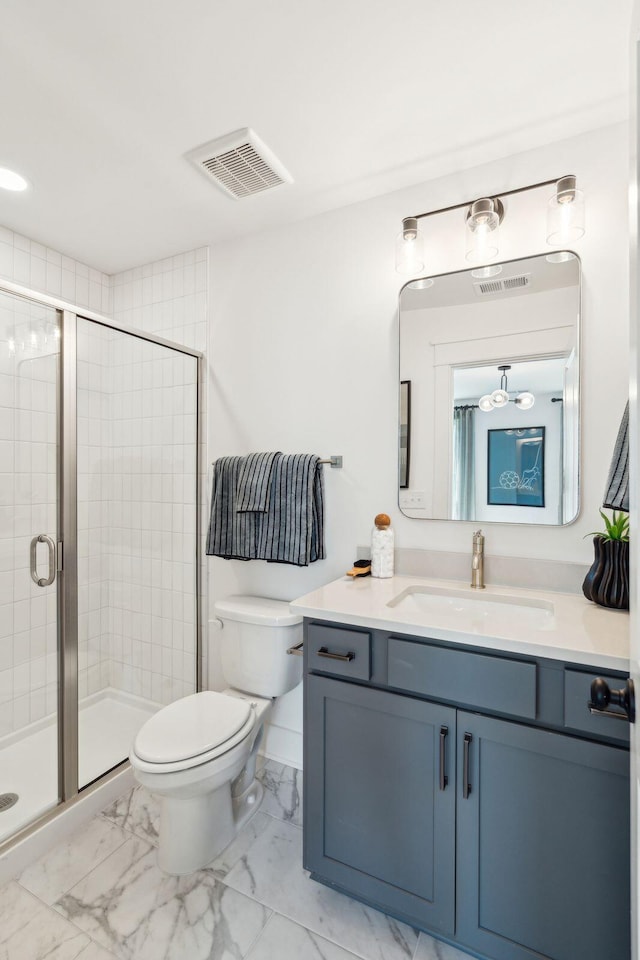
{"x":191,"y":726}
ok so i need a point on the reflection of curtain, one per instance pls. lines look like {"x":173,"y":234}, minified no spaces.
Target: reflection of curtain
{"x":464,"y":488}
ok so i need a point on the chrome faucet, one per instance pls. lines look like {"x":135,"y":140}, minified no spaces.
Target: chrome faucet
{"x":477,"y":561}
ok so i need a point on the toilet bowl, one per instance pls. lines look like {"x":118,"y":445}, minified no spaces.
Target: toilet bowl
{"x":198,"y":754}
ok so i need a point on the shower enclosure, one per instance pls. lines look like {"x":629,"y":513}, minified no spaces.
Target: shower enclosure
{"x":99,"y":557}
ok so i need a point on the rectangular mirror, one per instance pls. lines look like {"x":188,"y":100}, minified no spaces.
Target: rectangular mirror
{"x":490,"y":408}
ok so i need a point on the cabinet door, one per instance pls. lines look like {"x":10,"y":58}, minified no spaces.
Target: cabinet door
{"x":379,"y":823}
{"x":543,"y":844}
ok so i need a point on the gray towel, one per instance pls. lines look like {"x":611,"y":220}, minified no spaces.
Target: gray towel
{"x":616,"y":495}
{"x":254,"y":481}
{"x":292,"y":528}
{"x":231,"y":534}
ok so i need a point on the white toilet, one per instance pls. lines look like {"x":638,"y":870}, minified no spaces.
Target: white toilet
{"x":199,"y":753}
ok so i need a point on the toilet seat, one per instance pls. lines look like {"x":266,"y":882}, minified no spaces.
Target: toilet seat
{"x":192,"y":731}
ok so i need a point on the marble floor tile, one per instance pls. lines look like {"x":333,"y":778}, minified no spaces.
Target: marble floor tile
{"x":282,"y":791}
{"x":430,"y":949}
{"x":95,"y":952}
{"x":29,"y":930}
{"x":138,"y":812}
{"x":139,"y":913}
{"x":271,"y":872}
{"x":285,"y":940}
{"x":59,"y":870}
{"x":221,"y":866}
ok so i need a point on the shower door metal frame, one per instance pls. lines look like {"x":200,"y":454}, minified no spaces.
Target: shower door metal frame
{"x":67,"y":538}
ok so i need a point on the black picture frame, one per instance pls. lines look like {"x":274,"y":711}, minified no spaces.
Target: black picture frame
{"x":515,"y":467}
{"x":405,"y":433}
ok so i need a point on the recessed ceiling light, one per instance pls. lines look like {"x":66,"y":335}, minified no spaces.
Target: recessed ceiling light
{"x":10,"y":180}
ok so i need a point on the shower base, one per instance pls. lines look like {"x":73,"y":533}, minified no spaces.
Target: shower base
{"x":108,"y":723}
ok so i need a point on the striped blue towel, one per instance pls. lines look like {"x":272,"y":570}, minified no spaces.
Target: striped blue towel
{"x":254,"y":481}
{"x":291,"y":530}
{"x":616,"y":495}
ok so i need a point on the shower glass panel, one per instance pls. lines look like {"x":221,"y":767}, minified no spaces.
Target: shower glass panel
{"x":29,"y":520}
{"x":137,"y":474}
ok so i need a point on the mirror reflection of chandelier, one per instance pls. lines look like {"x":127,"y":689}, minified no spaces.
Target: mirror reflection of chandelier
{"x":500,"y":397}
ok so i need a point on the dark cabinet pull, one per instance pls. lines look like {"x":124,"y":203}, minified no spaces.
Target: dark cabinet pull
{"x":466,"y":786}
{"x":444,"y":779}
{"x":344,"y":657}
{"x":602,"y":696}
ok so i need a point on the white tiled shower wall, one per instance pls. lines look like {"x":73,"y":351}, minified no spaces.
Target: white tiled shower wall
{"x":144,"y":652}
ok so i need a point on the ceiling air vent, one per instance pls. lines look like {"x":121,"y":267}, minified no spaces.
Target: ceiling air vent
{"x":493,"y":287}
{"x":240,"y":164}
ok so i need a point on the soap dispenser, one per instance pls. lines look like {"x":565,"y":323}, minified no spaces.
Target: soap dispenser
{"x":382,"y":543}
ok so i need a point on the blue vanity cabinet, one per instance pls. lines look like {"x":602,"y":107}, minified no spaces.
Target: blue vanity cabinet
{"x":380,"y":799}
{"x":468,"y":792}
{"x":542,"y":843}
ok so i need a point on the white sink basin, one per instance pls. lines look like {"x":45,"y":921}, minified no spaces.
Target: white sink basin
{"x":475,"y":604}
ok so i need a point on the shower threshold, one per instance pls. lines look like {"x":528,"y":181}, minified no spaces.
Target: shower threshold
{"x":108,"y":723}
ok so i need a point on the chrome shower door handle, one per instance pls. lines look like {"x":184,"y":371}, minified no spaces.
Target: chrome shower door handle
{"x":43,"y":581}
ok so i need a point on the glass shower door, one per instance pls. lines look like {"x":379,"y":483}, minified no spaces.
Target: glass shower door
{"x":29,"y":520}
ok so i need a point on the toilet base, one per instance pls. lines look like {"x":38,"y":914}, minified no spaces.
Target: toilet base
{"x":187,"y":842}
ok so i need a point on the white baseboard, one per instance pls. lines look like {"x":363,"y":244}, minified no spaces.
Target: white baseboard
{"x":283,"y":746}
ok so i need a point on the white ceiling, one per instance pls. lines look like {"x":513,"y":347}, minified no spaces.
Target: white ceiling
{"x":100,"y":102}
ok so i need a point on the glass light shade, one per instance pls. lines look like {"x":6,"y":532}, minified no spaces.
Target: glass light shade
{"x":410,"y":253}
{"x":561,"y":256}
{"x":482,"y":232}
{"x":423,"y":284}
{"x":483,"y":273}
{"x":565,"y":218}
{"x":525,"y":400}
{"x":499,"y":398}
{"x":485,"y":403}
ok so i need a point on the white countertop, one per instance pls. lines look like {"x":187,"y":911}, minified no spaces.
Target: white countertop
{"x":560,"y":626}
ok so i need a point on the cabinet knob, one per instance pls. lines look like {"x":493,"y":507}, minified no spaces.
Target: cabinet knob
{"x":602,"y":696}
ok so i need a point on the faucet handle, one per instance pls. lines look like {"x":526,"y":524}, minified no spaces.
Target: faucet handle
{"x":478,"y":535}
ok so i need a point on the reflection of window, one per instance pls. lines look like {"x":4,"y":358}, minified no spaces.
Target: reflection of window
{"x":463,"y":474}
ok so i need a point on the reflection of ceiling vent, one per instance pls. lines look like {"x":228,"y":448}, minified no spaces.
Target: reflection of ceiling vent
{"x":493,"y":287}
{"x":240,"y":164}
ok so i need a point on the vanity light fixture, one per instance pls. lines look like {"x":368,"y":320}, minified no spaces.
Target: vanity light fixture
{"x":410,"y":248}
{"x":565,"y":213}
{"x":423,"y":284}
{"x":483,"y":216}
{"x":483,"y":223}
{"x":500,"y":398}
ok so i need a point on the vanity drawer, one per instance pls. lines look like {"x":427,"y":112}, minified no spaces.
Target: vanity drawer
{"x":577,"y":716}
{"x":343,"y":652}
{"x":473,"y":679}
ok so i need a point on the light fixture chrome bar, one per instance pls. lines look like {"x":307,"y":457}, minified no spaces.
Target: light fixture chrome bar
{"x":493,"y":196}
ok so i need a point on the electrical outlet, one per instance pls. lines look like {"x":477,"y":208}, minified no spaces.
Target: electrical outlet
{"x":412,"y":499}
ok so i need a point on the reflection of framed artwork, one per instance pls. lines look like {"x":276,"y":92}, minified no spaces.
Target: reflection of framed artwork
{"x":405,"y":432}
{"x":515,"y":462}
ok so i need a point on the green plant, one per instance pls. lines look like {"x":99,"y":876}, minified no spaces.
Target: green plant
{"x":615,"y":529}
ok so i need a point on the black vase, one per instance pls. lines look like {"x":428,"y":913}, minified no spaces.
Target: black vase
{"x":607,"y":582}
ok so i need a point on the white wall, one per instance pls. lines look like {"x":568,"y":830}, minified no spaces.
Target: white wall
{"x":304,"y":349}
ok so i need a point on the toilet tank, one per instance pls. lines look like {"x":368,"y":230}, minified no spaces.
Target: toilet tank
{"x":256,"y":634}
